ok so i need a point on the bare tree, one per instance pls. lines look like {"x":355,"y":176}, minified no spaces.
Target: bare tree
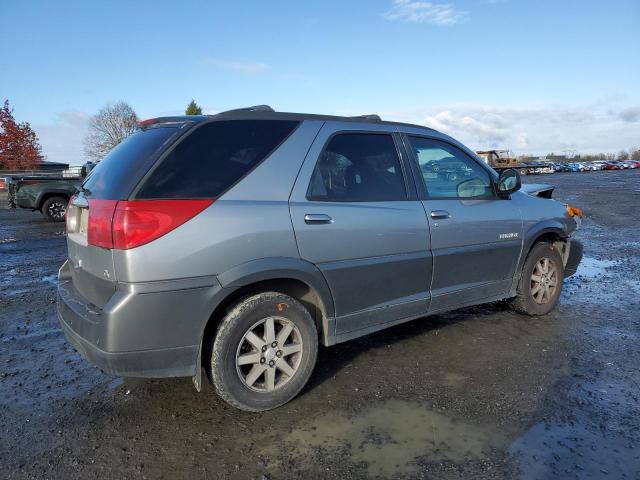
{"x":623,"y":155}
{"x":110,"y":126}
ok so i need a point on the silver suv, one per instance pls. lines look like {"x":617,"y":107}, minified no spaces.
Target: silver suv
{"x":238,"y":242}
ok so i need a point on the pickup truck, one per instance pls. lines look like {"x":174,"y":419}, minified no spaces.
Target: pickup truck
{"x":48,"y":195}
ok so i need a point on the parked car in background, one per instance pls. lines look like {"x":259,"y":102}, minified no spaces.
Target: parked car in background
{"x":593,"y":166}
{"x":45,"y":194}
{"x":612,"y":166}
{"x":574,"y":167}
{"x":635,"y":163}
{"x":240,"y":241}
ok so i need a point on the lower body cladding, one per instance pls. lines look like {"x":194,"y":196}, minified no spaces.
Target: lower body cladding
{"x":149,"y":329}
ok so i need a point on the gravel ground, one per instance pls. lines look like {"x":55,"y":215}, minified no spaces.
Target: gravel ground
{"x":476,"y":393}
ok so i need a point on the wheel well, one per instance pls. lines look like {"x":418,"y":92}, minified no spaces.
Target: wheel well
{"x":556,"y":240}
{"x":47,"y":196}
{"x":297,"y":289}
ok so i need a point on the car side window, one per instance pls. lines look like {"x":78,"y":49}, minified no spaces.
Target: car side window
{"x":448,"y":172}
{"x":358,"y":167}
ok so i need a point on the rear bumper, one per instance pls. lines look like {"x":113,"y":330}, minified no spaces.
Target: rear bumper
{"x":165,"y":362}
{"x":143,"y":330}
{"x":575,"y":257}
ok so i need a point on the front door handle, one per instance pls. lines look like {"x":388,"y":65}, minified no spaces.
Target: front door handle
{"x":440,"y":214}
{"x":317,"y":219}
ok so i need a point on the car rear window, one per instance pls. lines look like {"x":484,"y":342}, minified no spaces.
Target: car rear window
{"x":214,"y":157}
{"x":117,"y":174}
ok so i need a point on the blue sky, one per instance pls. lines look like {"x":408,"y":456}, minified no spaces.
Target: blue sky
{"x":531,"y":76}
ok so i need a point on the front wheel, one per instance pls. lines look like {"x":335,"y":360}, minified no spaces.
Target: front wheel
{"x":264,"y":352}
{"x":540,"y":285}
{"x":54,"y":209}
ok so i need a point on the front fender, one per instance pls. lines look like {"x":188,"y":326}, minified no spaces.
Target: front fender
{"x":531,"y":235}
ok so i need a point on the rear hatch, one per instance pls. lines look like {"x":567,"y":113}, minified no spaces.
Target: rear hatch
{"x":89,"y":215}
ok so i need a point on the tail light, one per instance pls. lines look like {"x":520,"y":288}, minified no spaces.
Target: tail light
{"x":100,"y":222}
{"x":129,"y":224}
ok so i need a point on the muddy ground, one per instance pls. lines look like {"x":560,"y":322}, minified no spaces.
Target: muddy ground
{"x":477,"y":393}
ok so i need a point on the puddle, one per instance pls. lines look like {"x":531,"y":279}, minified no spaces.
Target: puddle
{"x":390,"y":438}
{"x":554,"y":450}
{"x":52,"y":279}
{"x":7,"y":240}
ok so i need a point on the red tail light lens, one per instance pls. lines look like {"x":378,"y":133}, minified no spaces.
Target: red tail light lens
{"x":100,"y":219}
{"x":130,"y":224}
{"x":138,"y":222}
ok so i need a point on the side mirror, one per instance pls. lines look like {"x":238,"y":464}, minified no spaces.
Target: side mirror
{"x":509,"y":182}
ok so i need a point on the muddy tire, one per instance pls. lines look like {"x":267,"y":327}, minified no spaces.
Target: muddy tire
{"x":540,"y":284}
{"x":264,"y":352}
{"x":54,"y":209}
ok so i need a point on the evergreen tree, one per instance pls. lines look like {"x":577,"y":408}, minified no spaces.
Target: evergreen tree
{"x":193,"y":109}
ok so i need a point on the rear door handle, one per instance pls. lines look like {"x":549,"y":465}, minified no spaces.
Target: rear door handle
{"x":439,"y":214}
{"x":317,"y":219}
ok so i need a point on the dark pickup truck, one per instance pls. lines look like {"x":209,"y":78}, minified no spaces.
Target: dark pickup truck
{"x":46,"y":194}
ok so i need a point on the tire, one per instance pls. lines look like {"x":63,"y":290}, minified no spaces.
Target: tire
{"x":233,"y":345}
{"x":530,"y":299}
{"x":54,"y":209}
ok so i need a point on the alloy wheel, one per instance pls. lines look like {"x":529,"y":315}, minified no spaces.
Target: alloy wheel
{"x":269,"y":354}
{"x":56,"y":210}
{"x":544,"y":280}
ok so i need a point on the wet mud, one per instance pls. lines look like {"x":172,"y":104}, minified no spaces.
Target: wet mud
{"x":476,"y":393}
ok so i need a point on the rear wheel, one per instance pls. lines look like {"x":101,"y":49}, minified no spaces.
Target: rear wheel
{"x":264,"y":352}
{"x":541,"y":281}
{"x":54,"y":209}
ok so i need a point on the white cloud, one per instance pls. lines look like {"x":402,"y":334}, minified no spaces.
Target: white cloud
{"x":415,"y":11}
{"x":537,"y":129}
{"x":247,"y":68}
{"x":61,"y":140}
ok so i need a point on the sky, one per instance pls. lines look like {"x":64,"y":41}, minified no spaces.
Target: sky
{"x":531,"y":76}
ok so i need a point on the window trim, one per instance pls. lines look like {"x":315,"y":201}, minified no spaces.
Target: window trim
{"x":408,"y":192}
{"x":421,"y":184}
{"x":187,"y":134}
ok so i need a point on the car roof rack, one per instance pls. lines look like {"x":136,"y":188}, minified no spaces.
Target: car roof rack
{"x":371,"y":116}
{"x":255,"y":108}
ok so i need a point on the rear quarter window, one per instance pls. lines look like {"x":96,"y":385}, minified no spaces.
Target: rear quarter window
{"x":214,"y":157}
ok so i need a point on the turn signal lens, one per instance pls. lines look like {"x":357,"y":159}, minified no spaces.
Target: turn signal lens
{"x":574,"y":211}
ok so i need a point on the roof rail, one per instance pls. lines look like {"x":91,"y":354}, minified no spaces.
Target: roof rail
{"x":255,"y":108}
{"x":371,"y":116}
